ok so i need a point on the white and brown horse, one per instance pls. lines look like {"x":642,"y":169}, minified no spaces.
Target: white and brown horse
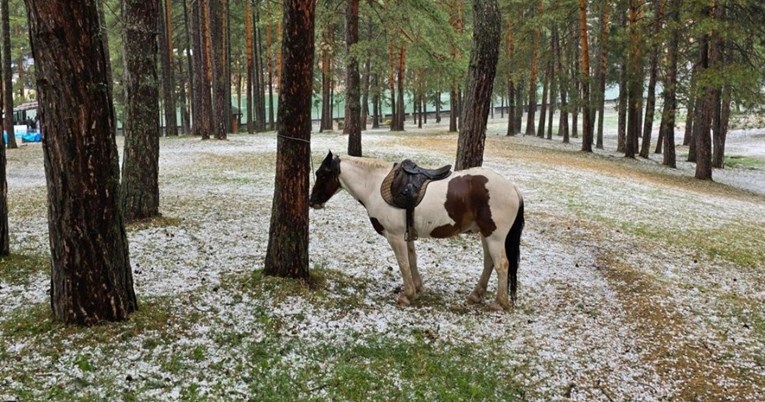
{"x":471,"y":200}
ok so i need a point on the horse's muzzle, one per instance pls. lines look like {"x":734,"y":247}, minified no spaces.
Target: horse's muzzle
{"x":315,"y":205}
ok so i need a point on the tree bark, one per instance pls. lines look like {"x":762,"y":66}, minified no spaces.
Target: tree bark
{"x":585,"y":79}
{"x":480,"y":82}
{"x":166,"y":61}
{"x":326,"y":78}
{"x":220,"y":74}
{"x":704,"y":108}
{"x":91,"y":280}
{"x":602,"y":70}
{"x":667,"y":126}
{"x":287,"y":252}
{"x":353,"y":82}
{"x":653,"y":70}
{"x":250,"y":61}
{"x":533,"y":70}
{"x":4,"y":230}
{"x":7,"y":104}
{"x":140,"y":163}
{"x":634,"y":79}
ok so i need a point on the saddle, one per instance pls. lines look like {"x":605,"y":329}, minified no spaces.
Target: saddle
{"x":405,"y":185}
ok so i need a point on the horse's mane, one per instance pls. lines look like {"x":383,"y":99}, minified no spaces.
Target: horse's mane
{"x":368,"y":164}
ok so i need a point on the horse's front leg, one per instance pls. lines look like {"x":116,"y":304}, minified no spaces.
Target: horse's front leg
{"x":476,"y":297}
{"x":402,"y":256}
{"x":413,"y":266}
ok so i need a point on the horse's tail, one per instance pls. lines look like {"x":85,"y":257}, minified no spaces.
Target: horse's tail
{"x":513,"y":249}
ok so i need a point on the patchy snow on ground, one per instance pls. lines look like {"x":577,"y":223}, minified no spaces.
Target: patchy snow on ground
{"x":598,"y":317}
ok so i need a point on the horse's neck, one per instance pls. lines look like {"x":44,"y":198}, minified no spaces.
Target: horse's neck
{"x":362,"y":177}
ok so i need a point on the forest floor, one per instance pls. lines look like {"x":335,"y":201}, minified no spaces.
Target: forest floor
{"x":637,"y":282}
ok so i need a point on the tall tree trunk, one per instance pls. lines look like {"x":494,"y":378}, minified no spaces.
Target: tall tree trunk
{"x":634,"y":79}
{"x":719,"y":59}
{"x":553,"y":96}
{"x":287,"y":252}
{"x":480,"y":83}
{"x":558,"y":54}
{"x":621,"y":130}
{"x":219,"y":66}
{"x":576,"y":101}
{"x":205,"y":90}
{"x":258,"y":83}
{"x":365,"y":81}
{"x":167,"y":63}
{"x":667,"y":127}
{"x":519,"y":97}
{"x":140,"y":163}
{"x":543,"y":109}
{"x":537,"y":42}
{"x":456,"y":22}
{"x":690,"y":111}
{"x":326,"y":78}
{"x":270,"y":70}
{"x":602,"y":70}
{"x":585,"y":79}
{"x":399,"y":115}
{"x":190,"y":64}
{"x":704,"y":107}
{"x":653,"y":71}
{"x":376,"y":101}
{"x":7,"y":104}
{"x":250,"y":60}
{"x":4,"y":230}
{"x":353,"y":83}
{"x":91,"y":280}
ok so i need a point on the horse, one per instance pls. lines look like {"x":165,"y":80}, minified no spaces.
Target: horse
{"x":474,"y":200}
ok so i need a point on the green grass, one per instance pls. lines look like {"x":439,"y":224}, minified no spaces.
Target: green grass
{"x":19,"y":269}
{"x":744,"y":162}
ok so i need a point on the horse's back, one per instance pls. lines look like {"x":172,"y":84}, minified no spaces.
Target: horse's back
{"x":475,"y":199}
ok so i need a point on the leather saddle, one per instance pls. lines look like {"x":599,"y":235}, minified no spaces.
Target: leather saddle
{"x":405,"y":186}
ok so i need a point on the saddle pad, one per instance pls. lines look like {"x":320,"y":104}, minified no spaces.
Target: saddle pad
{"x":387,"y":194}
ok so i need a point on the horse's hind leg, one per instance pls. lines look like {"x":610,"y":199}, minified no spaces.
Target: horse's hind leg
{"x":479,"y":292}
{"x":412,"y":253}
{"x":402,"y":256}
{"x":496,"y":247}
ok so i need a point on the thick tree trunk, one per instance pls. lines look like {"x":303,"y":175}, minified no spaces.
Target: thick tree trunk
{"x":287,"y":252}
{"x":353,"y":83}
{"x":140,"y":163}
{"x":480,"y":82}
{"x":91,"y":280}
{"x":533,"y":71}
{"x":205,"y":89}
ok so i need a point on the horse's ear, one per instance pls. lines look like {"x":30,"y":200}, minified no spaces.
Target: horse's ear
{"x":328,"y":159}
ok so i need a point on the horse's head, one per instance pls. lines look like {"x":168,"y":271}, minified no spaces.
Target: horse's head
{"x":327,"y":181}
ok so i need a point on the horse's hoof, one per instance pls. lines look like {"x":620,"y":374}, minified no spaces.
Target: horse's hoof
{"x":498,"y":307}
{"x":474,"y":298}
{"x":403,"y":300}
